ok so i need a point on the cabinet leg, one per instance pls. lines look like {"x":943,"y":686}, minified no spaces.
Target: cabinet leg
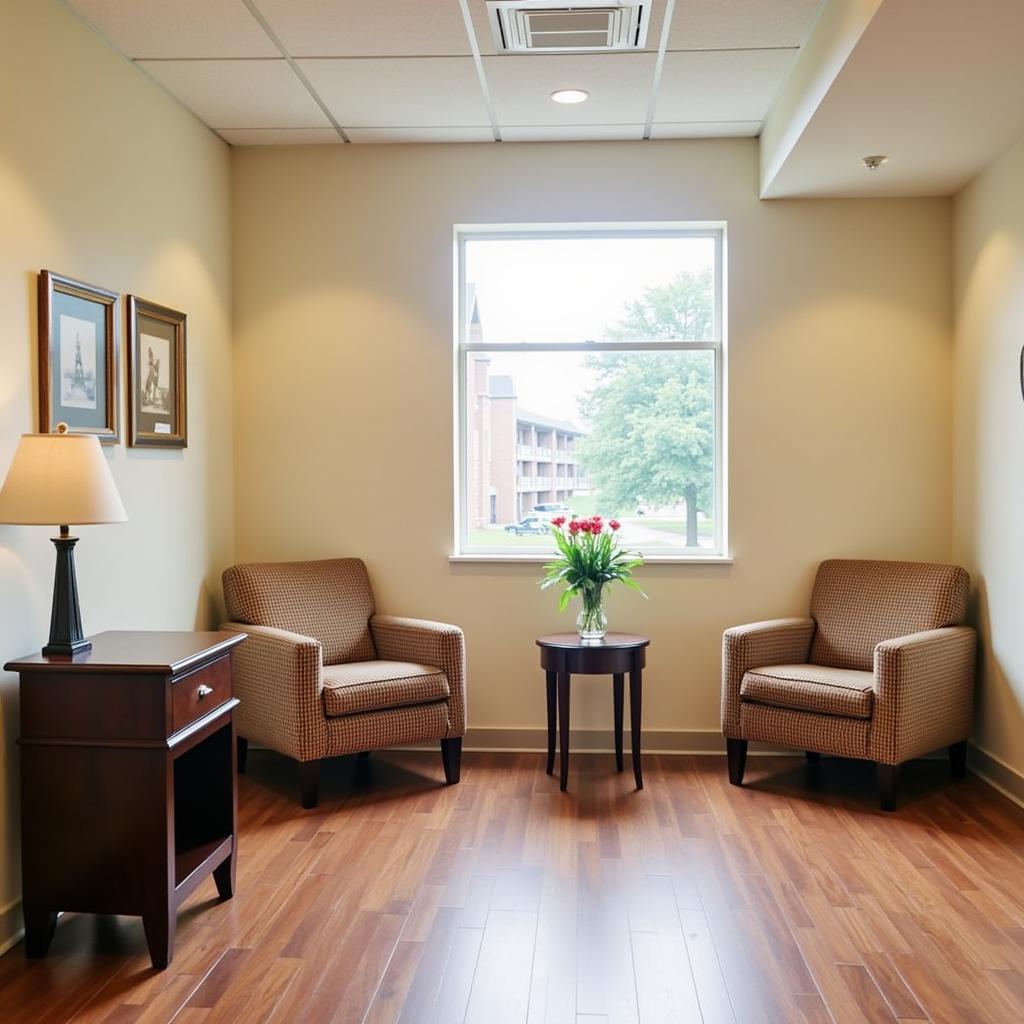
{"x":563,"y":730}
{"x":552,"y":694}
{"x":159,"y":928}
{"x":39,"y":926}
{"x":309,"y":783}
{"x":451,"y":758}
{"x":242,"y":748}
{"x":958,"y":760}
{"x":888,"y":777}
{"x":635,"y":696}
{"x":224,"y":878}
{"x":736,"y":751}
{"x":618,"y":693}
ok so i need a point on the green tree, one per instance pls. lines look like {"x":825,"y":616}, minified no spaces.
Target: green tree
{"x":652,"y":413}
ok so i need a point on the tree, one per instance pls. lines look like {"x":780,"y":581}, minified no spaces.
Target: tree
{"x":652,"y":413}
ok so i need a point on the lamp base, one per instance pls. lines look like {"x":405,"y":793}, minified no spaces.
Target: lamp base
{"x":72,"y":647}
{"x":66,"y":636}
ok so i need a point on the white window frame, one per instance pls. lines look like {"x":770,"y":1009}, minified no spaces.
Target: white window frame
{"x":462,"y":347}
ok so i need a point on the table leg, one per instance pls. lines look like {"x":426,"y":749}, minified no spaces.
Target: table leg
{"x":563,"y":728}
{"x":39,"y":926}
{"x":552,"y":695}
{"x":635,"y":696}
{"x":618,"y":688}
{"x":158,"y":923}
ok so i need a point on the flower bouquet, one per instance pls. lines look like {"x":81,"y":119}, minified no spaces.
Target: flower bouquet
{"x":589,"y":557}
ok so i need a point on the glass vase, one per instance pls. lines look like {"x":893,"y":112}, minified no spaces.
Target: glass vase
{"x":592,"y":623}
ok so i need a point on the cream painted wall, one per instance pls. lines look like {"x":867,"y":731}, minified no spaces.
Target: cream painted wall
{"x":839,"y":390}
{"x":989,"y":440}
{"x":104,"y":177}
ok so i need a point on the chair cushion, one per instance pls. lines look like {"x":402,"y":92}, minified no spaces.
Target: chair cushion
{"x":858,"y":604}
{"x":375,"y":685}
{"x":825,"y":691}
{"x":329,"y":600}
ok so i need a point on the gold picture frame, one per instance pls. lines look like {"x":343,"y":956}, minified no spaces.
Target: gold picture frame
{"x":157,"y":400}
{"x":78,"y":357}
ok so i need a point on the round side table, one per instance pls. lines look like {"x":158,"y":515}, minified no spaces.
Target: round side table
{"x":562,"y":655}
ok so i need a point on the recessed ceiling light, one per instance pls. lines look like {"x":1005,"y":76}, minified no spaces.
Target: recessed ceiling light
{"x":570,"y":95}
{"x":872,"y":163}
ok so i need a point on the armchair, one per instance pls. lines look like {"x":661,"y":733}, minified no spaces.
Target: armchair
{"x":881,"y":669}
{"x":323,"y":674}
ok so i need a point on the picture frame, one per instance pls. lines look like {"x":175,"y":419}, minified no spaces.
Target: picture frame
{"x":79,"y":357}
{"x":157,"y":379}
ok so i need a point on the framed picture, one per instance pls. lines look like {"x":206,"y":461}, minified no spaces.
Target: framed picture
{"x":156,"y":376}
{"x":78,"y":357}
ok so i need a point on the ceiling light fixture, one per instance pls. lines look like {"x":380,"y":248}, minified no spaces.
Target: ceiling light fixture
{"x":570,"y":95}
{"x":872,"y":163}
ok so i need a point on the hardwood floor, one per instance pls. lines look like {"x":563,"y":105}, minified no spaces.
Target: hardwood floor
{"x":499,"y":900}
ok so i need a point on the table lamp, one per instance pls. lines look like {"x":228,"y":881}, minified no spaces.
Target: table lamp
{"x":58,"y":479}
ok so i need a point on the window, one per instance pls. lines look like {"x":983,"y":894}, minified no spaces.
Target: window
{"x":590,"y":371}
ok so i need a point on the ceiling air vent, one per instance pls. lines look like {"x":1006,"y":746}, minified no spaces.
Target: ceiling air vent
{"x":521,"y":26}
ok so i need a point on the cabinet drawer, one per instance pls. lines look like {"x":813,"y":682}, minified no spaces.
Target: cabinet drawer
{"x":199,"y":693}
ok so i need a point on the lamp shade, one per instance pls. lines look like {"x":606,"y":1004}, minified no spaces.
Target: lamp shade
{"x":59,"y":479}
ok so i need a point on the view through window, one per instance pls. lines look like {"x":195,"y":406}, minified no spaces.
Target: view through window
{"x":590,"y":368}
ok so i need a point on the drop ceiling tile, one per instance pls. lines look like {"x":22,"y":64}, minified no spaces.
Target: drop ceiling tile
{"x":734,"y":85}
{"x":619,"y":85}
{"x":472,"y":133}
{"x":741,"y":24}
{"x":706,"y":130}
{"x":239,"y":93}
{"x":185,"y":28}
{"x":571,"y":132}
{"x":280,"y":136}
{"x":357,"y":28}
{"x":400,"y":93}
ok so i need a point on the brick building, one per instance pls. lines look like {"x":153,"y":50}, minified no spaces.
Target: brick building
{"x":516,"y":459}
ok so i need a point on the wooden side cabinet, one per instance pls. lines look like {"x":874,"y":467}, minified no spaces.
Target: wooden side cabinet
{"x":128,"y":780}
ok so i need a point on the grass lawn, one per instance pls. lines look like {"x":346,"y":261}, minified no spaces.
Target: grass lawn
{"x":705,"y":527}
{"x":501,"y":539}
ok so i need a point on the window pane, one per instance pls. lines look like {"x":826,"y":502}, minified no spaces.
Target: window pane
{"x":590,"y":289}
{"x":630,"y":435}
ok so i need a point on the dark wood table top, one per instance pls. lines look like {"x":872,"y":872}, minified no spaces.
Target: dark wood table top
{"x":572,"y":641}
{"x":156,"y":651}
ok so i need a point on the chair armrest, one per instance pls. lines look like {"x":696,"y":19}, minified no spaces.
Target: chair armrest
{"x":427,"y":643}
{"x":774,"y":642}
{"x":924,"y":693}
{"x":278,"y":678}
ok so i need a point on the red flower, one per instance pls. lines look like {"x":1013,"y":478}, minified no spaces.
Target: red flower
{"x":559,"y":521}
{"x":614,"y":523}
{"x":575,"y":526}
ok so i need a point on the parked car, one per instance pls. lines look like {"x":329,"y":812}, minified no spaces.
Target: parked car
{"x":528,"y":524}
{"x":551,"y":510}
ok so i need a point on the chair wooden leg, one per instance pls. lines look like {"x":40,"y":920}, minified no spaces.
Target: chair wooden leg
{"x":242,"y":749}
{"x":309,"y":783}
{"x":958,"y":760}
{"x":451,"y":757}
{"x":737,"y":753}
{"x":813,"y":757}
{"x":888,"y":778}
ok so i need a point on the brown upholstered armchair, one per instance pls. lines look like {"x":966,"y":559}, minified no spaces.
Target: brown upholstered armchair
{"x":322,"y":674}
{"x":882,"y":669}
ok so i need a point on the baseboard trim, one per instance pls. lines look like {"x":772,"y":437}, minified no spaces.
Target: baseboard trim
{"x":12,"y":928}
{"x":602,"y":741}
{"x":997,"y":773}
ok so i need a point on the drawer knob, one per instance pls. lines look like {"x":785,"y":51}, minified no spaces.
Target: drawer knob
{"x":203,"y":692}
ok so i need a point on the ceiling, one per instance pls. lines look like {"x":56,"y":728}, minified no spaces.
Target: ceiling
{"x":937,"y":86}
{"x":337,"y":71}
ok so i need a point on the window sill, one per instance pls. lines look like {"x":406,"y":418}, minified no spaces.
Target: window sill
{"x":542,"y":559}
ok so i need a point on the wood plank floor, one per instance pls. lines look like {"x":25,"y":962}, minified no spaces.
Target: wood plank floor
{"x":501,"y":900}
